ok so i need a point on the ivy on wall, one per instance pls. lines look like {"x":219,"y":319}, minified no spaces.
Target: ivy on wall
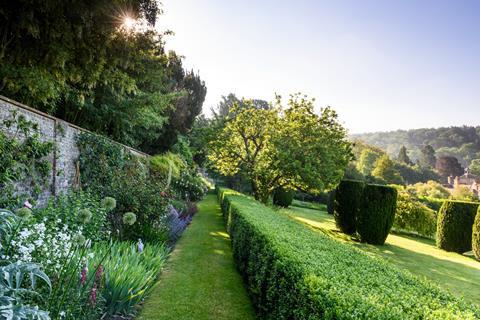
{"x":22,"y":161}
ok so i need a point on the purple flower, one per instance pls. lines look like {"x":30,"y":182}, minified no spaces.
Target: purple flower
{"x":99,"y":273}
{"x":83,"y":277}
{"x":93,"y":296}
{"x":28,"y":205}
{"x":140,"y":245}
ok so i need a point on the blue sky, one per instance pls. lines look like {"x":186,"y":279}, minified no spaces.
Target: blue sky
{"x":383,"y":64}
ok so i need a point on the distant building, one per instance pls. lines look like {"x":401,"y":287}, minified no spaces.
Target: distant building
{"x":467,"y":179}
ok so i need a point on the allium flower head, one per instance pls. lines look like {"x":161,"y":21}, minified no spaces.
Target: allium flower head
{"x":24,"y":212}
{"x":129,"y":218}
{"x":79,"y":239}
{"x":84,"y":215}
{"x":109,"y":203}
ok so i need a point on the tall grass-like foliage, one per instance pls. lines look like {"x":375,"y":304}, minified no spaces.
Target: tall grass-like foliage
{"x":293,"y":272}
{"x":129,"y":272}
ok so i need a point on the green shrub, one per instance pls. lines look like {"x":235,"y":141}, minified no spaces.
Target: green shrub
{"x":454,"y":225}
{"x":432,"y":203}
{"x":67,"y":208}
{"x":168,"y":164}
{"x":348,"y":198}
{"x":413,"y":216}
{"x":476,"y":235}
{"x":282,"y":197}
{"x":377,"y":213}
{"x":331,"y":202}
{"x":293,"y":272}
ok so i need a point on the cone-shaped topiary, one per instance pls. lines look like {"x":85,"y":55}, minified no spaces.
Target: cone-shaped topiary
{"x":454,"y":225}
{"x":377,"y":213}
{"x":282,"y":197}
{"x":476,"y":235}
{"x":348,"y":198}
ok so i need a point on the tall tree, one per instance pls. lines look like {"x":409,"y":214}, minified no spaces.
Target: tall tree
{"x":427,"y":157}
{"x":294,"y":148}
{"x":366,"y":162}
{"x":403,"y":156}
{"x":385,"y":170}
{"x":449,"y":166}
{"x":475,"y":167}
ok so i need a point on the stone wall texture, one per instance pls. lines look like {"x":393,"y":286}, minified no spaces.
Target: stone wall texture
{"x":63,"y":134}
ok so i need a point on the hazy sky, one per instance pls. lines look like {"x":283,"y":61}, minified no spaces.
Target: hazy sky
{"x":383,"y":65}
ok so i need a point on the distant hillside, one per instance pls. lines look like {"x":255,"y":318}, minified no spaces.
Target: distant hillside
{"x":461,"y":142}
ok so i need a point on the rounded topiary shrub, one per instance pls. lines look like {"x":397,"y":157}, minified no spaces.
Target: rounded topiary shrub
{"x":331,"y":202}
{"x":348,"y":198}
{"x":454,"y":225}
{"x":377,"y":213}
{"x":476,"y":235}
{"x":282,"y":197}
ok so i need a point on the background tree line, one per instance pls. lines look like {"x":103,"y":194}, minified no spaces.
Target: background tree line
{"x":462,"y":143}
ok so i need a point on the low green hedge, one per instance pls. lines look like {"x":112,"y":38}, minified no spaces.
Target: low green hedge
{"x":377,"y":213}
{"x":348,"y":198}
{"x":293,"y":272}
{"x":476,"y":235}
{"x":454,"y":225}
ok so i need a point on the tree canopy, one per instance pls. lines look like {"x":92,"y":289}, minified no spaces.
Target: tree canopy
{"x":77,"y":61}
{"x":291,"y":147}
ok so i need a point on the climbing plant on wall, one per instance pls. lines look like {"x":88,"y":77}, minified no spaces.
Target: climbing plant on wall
{"x":22,"y":161}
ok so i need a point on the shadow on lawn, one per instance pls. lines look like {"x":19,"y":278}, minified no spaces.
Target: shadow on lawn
{"x":459,"y":274}
{"x":459,"y":278}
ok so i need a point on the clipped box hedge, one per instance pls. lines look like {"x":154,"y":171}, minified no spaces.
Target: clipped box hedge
{"x":348,"y":199}
{"x":293,"y":272}
{"x":454,"y":225}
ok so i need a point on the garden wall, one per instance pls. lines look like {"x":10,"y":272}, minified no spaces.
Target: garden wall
{"x":65,"y":155}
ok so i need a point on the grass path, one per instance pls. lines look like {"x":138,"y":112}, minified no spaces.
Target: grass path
{"x":452,"y":271}
{"x":200,"y":280}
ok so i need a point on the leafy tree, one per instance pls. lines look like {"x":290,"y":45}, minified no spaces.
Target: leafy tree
{"x":448,"y":166}
{"x":385,"y":170}
{"x":403,"y":156}
{"x":414,"y":173}
{"x":427,"y":157}
{"x":475,"y":167}
{"x":366,"y":162}
{"x":230,"y":102}
{"x":292,"y":148}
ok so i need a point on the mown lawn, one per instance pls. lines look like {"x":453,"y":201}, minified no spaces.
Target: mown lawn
{"x":200,"y":280}
{"x":452,"y":271}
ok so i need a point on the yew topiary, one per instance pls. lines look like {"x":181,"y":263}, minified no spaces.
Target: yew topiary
{"x":476,"y":235}
{"x":282,"y":197}
{"x":454,"y":225}
{"x":348,"y":198}
{"x":376,"y":214}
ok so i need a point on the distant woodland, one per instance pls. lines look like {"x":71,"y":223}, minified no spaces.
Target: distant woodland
{"x":460,"y":142}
